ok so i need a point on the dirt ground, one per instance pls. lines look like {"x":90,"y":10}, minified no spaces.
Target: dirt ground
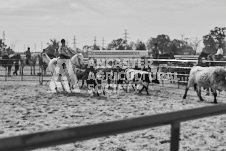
{"x":26,"y":107}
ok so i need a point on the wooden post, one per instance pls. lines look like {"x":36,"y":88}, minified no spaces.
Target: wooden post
{"x":6,"y":73}
{"x":175,"y":136}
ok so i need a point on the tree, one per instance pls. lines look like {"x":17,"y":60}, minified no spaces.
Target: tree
{"x":194,"y":44}
{"x":216,"y":36}
{"x":10,"y":51}
{"x":2,"y":44}
{"x":140,"y":45}
{"x":95,"y":47}
{"x":119,"y":44}
{"x":177,"y":46}
{"x":150,"y":43}
{"x":163,"y":42}
{"x":53,"y":45}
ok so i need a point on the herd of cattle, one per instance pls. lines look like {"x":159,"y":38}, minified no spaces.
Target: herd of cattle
{"x":209,"y":78}
{"x":123,"y":77}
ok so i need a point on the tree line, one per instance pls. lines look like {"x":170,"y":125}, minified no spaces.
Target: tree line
{"x":163,"y":41}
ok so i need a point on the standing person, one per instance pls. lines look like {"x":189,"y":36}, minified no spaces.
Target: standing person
{"x":64,"y":55}
{"x":28,"y":55}
{"x":219,"y":53}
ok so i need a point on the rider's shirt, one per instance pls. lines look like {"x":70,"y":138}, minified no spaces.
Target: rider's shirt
{"x":219,"y":51}
{"x":28,"y":53}
{"x":63,"y":52}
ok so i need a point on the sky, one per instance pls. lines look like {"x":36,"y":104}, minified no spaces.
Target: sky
{"x":32,"y":23}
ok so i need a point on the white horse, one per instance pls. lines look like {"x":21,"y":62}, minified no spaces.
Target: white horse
{"x":73,"y":63}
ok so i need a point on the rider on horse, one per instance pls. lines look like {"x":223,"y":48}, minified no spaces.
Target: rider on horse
{"x":64,"y":56}
{"x":28,"y":55}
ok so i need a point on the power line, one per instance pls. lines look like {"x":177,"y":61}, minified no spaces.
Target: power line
{"x":126,"y":35}
{"x":103,"y":42}
{"x":3,"y":37}
{"x":182,"y":37}
{"x":95,"y":41}
{"x":74,"y":43}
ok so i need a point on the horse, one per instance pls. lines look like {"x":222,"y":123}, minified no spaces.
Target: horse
{"x":76,"y":61}
{"x":13,"y":59}
{"x":32,"y":62}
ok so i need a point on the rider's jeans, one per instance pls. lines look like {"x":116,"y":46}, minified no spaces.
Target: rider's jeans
{"x":61,"y":64}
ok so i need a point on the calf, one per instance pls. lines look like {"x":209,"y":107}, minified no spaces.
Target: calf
{"x":140,"y":77}
{"x":94,"y":81}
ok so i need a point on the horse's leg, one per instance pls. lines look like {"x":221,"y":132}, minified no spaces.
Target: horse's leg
{"x":34,"y":69}
{"x":31,"y":69}
{"x":45,"y":71}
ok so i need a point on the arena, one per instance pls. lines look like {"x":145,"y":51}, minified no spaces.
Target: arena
{"x":26,"y":107}
{"x":122,"y":75}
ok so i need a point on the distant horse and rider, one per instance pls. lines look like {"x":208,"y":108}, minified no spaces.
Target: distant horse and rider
{"x":213,"y":58}
{"x":30,"y":59}
{"x":19,"y":60}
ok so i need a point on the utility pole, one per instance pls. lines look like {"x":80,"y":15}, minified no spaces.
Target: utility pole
{"x":103,"y":42}
{"x":35,"y":47}
{"x":182,"y":37}
{"x":95,"y":41}
{"x":3,"y":37}
{"x":126,"y":35}
{"x":74,"y":43}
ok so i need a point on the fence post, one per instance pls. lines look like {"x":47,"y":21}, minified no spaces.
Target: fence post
{"x":40,"y":75}
{"x":21,"y":70}
{"x":175,"y":136}
{"x":6,"y":73}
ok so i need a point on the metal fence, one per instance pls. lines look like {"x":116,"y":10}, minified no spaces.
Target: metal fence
{"x":40,"y":77}
{"x":75,"y":134}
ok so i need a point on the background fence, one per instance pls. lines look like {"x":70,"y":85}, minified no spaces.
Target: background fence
{"x":178,"y":66}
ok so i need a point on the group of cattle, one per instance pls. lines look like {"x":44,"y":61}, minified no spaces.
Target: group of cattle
{"x":213,"y":78}
{"x":121,"y":77}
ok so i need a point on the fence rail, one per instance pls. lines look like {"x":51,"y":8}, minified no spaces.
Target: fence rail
{"x":70,"y":135}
